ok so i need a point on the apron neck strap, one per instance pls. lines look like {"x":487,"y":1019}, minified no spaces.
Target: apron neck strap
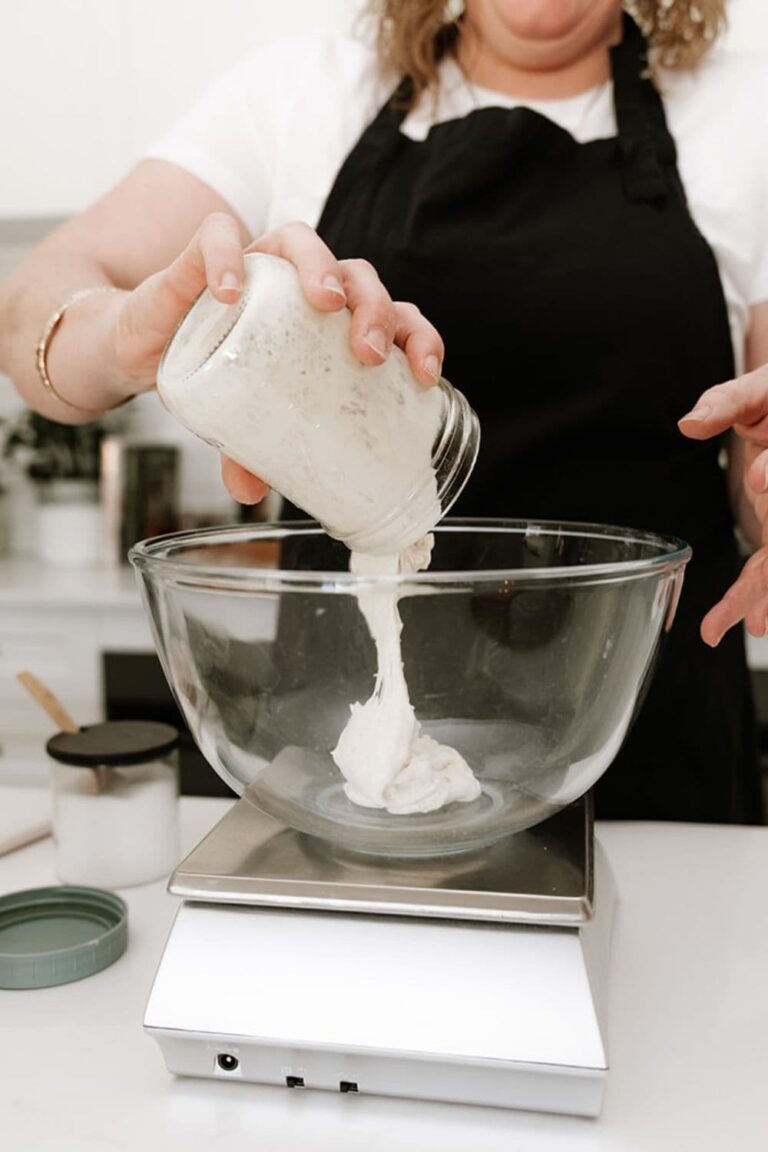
{"x":399,"y":103}
{"x":644,"y":141}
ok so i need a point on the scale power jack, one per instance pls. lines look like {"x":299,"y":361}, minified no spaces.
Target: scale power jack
{"x":347,"y":1085}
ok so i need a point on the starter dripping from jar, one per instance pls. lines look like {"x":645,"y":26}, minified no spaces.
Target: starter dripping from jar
{"x":385,"y":757}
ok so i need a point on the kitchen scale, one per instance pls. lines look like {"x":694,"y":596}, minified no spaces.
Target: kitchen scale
{"x":477,"y":978}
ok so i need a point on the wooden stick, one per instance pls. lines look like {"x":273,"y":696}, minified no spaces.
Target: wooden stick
{"x":57,"y":712}
{"x":26,"y":836}
{"x":48,"y":702}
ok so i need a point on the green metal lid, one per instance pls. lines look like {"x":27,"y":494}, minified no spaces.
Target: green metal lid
{"x":55,"y":935}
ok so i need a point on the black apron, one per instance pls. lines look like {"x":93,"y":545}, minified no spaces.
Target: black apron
{"x":583,"y":314}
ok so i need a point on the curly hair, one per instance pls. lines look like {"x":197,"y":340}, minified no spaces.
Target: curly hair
{"x":412,"y":36}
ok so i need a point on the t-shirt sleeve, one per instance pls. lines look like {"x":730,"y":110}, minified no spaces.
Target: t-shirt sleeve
{"x":759,"y":117}
{"x":231,"y":135}
{"x":759,"y":288}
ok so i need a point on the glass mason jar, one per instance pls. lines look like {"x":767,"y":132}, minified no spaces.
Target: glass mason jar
{"x":369,"y":452}
{"x":115,"y":803}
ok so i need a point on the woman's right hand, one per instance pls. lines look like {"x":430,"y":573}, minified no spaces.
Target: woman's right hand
{"x":144,"y":320}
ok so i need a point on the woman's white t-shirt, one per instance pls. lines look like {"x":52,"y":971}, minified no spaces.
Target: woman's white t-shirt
{"x":272,"y":134}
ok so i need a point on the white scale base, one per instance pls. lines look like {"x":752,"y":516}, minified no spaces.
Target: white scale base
{"x":504,"y":1014}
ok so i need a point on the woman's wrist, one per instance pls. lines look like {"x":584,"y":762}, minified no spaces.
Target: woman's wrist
{"x":75,"y":355}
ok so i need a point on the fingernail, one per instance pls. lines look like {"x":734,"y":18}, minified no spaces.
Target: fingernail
{"x":432,"y":367}
{"x":700,"y":412}
{"x":230,"y":282}
{"x":718,"y":636}
{"x":376,"y":338}
{"x":333,"y":284}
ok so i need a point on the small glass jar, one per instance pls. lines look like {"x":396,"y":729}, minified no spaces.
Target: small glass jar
{"x":70,"y":524}
{"x":115,"y":803}
{"x":369,"y":452}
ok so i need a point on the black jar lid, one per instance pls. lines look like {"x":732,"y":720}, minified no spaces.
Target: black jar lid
{"x":113,"y":743}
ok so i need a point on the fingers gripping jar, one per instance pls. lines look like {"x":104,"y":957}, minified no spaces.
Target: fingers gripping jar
{"x":369,"y":452}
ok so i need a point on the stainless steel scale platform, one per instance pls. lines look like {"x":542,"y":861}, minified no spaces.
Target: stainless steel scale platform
{"x":478,"y":978}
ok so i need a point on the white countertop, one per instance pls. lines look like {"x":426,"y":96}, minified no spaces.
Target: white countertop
{"x":30,"y":583}
{"x":688,"y":1032}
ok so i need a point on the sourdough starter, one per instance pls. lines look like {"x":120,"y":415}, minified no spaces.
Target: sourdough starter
{"x":388,"y":762}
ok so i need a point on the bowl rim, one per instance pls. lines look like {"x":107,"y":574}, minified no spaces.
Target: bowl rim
{"x":149,"y":556}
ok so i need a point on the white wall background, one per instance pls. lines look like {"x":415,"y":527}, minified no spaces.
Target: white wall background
{"x":87,"y":85}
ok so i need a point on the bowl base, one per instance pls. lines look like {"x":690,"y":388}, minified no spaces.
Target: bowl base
{"x":303,"y":789}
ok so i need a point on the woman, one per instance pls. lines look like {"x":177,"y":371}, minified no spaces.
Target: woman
{"x":507,"y":167}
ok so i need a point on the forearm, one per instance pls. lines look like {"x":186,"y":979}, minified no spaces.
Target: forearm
{"x":80,"y":361}
{"x":126,"y":239}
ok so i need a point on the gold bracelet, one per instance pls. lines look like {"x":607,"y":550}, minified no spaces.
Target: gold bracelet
{"x":43,"y":344}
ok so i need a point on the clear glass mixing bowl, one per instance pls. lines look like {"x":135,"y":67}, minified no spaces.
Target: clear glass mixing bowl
{"x":526,"y":646}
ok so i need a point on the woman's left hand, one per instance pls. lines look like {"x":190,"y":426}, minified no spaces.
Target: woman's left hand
{"x":740,"y":405}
